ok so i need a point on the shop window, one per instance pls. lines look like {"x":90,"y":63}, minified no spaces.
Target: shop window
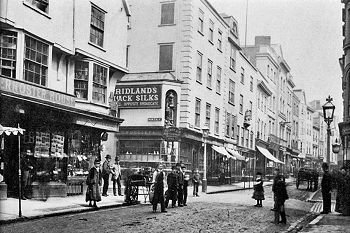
{"x":99,"y":88}
{"x":35,"y":61}
{"x":139,"y":147}
{"x":97,"y":26}
{"x":81,"y":80}
{"x":167,"y":13}
{"x":8,"y":47}
{"x":42,"y":5}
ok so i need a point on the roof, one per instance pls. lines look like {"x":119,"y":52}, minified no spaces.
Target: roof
{"x":149,"y":76}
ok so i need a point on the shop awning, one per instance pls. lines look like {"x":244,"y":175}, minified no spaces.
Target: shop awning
{"x":9,"y":130}
{"x":302,"y":156}
{"x":222,"y":150}
{"x":268,"y":155}
{"x":235,"y":154}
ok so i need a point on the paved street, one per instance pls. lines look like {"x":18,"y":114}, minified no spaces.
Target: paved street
{"x":224,"y":212}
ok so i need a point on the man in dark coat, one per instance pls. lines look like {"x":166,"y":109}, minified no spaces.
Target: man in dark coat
{"x":106,"y":171}
{"x":180,"y":190}
{"x":173,"y":185}
{"x":186,"y":179}
{"x":158,"y":182}
{"x":280,"y":196}
{"x":326,"y":186}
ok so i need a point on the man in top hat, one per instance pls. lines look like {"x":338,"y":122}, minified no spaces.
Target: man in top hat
{"x":106,"y":171}
{"x":180,"y":190}
{"x":326,"y":188}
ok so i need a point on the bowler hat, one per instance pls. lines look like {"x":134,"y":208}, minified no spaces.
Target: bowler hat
{"x":108,"y":157}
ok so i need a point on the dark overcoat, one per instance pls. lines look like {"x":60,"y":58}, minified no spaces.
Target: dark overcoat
{"x":93,"y":182}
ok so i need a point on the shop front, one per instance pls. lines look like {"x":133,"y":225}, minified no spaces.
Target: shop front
{"x":59,"y":144}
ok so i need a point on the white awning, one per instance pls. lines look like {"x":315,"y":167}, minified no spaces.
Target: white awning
{"x":235,"y":154}
{"x":10,"y":130}
{"x":222,"y":150}
{"x":268,"y":155}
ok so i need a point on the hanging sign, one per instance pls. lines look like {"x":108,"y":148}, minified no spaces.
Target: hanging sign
{"x":138,"y":96}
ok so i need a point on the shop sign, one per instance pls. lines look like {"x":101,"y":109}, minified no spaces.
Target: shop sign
{"x":27,"y":90}
{"x":138,"y":96}
{"x":344,"y":128}
{"x":100,"y":124}
{"x":154,"y":119}
{"x":172,"y":134}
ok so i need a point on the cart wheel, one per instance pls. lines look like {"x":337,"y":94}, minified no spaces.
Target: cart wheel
{"x":134,"y":194}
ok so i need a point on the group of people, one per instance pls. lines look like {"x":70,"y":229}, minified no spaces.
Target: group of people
{"x":95,"y":177}
{"x":177,"y":182}
{"x":342,"y":184}
{"x":280,"y":195}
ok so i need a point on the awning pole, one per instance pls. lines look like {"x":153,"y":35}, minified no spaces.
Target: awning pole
{"x":19,"y":175}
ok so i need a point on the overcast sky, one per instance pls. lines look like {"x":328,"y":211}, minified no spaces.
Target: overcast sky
{"x":310,"y":32}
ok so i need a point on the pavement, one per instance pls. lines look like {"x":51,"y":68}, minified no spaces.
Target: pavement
{"x":34,"y":209}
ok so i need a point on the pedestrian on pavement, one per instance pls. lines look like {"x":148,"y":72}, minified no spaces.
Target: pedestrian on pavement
{"x":173,"y":184}
{"x":277,"y":176}
{"x":326,"y":187}
{"x":346,"y":197}
{"x":116,"y":177}
{"x":258,"y":193}
{"x":196,"y":181}
{"x":27,"y":168}
{"x":340,"y":182}
{"x":180,"y":191}
{"x":280,"y":192}
{"x":186,"y":179}
{"x":106,"y":171}
{"x":93,"y":182}
{"x":158,"y":183}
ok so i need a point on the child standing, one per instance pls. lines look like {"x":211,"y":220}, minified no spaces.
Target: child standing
{"x":258,"y":194}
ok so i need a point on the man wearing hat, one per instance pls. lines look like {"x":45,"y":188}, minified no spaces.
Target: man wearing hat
{"x":116,"y":177}
{"x":180,"y":190}
{"x":326,"y":188}
{"x":106,"y":171}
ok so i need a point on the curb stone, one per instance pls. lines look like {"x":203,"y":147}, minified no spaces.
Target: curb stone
{"x":300,"y":223}
{"x":61,"y":213}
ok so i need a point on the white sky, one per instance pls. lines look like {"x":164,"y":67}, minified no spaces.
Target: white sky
{"x":310,"y":32}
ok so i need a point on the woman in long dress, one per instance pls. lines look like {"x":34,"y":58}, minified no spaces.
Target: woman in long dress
{"x":93,"y":181}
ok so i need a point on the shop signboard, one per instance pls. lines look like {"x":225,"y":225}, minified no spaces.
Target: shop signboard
{"x":172,"y":134}
{"x":138,"y":96}
{"x":24,"y":89}
{"x":344,"y":128}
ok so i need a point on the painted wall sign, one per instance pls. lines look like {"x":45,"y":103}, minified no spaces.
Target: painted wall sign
{"x":138,"y":96}
{"x":28,"y":90}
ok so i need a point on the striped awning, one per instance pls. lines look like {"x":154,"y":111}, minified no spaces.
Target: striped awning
{"x":9,"y":130}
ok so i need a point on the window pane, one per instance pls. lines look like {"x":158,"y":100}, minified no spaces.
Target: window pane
{"x":165,"y":57}
{"x":167,"y":14}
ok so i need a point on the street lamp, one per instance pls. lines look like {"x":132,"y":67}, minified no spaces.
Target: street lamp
{"x":336,"y":148}
{"x":328,"y":114}
{"x":205,"y":130}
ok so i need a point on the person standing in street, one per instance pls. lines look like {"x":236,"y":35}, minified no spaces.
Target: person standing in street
{"x":258,"y":193}
{"x":116,"y":177}
{"x":180,"y":191}
{"x":93,"y":182}
{"x":106,"y":171}
{"x":340,"y":181}
{"x":196,"y":180}
{"x":158,"y":182}
{"x":280,"y":196}
{"x":172,"y":188}
{"x":186,"y":179}
{"x":276,"y":177}
{"x":26,"y":167}
{"x":326,"y":187}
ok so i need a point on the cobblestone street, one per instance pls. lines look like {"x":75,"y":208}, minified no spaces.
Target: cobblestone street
{"x":225,"y":212}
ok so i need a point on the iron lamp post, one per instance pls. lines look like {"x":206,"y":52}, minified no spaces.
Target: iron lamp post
{"x":328,"y":114}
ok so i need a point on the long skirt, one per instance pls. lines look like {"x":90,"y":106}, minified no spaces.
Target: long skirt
{"x":93,"y":193}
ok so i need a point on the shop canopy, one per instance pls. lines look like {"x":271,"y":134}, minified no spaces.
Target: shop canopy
{"x":235,"y":154}
{"x":268,"y":155}
{"x":9,"y":130}
{"x":222,"y":150}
